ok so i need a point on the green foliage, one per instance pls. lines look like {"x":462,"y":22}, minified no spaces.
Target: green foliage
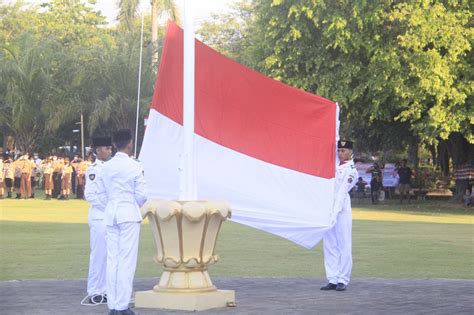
{"x":59,"y":61}
{"x":26,"y":84}
{"x":229,"y":32}
{"x":117,"y":68}
{"x":401,"y":71}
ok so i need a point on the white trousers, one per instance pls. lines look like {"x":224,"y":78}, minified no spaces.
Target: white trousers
{"x":338,"y":248}
{"x":98,"y":257}
{"x":122,"y":250}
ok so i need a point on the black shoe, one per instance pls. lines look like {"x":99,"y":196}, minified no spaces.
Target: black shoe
{"x":9,"y":195}
{"x":329,"y":286}
{"x":341,"y":287}
{"x":113,"y":312}
{"x":128,"y":311}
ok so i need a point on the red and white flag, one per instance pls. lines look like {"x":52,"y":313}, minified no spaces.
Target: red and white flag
{"x":266,"y":148}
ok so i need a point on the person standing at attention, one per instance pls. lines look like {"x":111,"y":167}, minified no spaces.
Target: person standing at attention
{"x":96,"y":285}
{"x":405,"y":173}
{"x":124,"y":184}
{"x":338,"y":240}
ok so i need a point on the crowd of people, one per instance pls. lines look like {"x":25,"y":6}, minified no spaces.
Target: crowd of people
{"x":114,"y":187}
{"x":58,"y":176}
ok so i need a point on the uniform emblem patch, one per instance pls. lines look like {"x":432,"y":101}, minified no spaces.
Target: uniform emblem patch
{"x":350,"y":180}
{"x":91,"y":176}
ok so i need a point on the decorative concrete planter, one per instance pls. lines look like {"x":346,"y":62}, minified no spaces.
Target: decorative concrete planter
{"x":185,"y":234}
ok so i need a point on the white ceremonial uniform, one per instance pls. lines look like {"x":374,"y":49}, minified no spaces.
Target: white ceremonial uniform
{"x":95,"y":195}
{"x":338,"y":240}
{"x":124,"y":184}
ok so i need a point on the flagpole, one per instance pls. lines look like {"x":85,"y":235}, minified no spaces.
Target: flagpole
{"x":188,"y":189}
{"x":138,"y":90}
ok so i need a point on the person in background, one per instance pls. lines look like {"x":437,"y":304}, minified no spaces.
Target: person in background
{"x":2,"y":176}
{"x":57,"y":167}
{"x":26,"y":170}
{"x":17,"y":177}
{"x":81,"y":168}
{"x":375,"y":187}
{"x":467,"y":198}
{"x":9,"y":169}
{"x":33,"y":176}
{"x":405,"y":173}
{"x":360,"y":188}
{"x":66,"y":179}
{"x":47,"y":166}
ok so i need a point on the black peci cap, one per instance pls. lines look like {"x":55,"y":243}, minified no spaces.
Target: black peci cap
{"x":122,"y":135}
{"x":345,"y":144}
{"x":101,"y":141}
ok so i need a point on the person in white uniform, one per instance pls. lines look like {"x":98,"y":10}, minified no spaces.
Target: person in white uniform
{"x":96,"y":287}
{"x":338,"y":240}
{"x":124,"y":184}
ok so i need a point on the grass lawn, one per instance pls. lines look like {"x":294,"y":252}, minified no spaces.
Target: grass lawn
{"x":49,"y":240}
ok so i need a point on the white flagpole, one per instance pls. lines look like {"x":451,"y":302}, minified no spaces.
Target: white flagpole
{"x":138,"y":90}
{"x":188,"y":189}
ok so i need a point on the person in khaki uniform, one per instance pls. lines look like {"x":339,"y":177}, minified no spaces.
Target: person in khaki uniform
{"x":47,"y":167}
{"x":66,"y":179}
{"x":33,"y":177}
{"x":2,"y":175}
{"x":17,"y":177}
{"x":57,"y":167}
{"x":25,"y":184}
{"x":9,"y":170}
{"x":81,"y":168}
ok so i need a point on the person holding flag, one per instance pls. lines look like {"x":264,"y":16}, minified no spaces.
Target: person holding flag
{"x":96,"y":280}
{"x":124,"y":184}
{"x":338,"y":240}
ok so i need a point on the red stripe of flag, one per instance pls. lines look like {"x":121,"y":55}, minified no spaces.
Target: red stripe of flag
{"x":243,"y":110}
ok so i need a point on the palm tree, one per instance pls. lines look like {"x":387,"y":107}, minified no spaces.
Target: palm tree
{"x":158,"y":7}
{"x":128,"y":10}
{"x":117,"y":66}
{"x":26,"y":83}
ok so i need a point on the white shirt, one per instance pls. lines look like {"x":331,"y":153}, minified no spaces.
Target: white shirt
{"x":93,"y":191}
{"x":124,"y":184}
{"x":346,"y":178}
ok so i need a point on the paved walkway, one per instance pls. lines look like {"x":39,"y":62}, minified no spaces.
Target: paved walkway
{"x":263,"y":296}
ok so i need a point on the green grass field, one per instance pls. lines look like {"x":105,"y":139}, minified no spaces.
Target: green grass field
{"x":49,"y":240}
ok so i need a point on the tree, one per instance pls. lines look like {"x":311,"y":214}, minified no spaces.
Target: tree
{"x":386,"y":63}
{"x":26,"y":83}
{"x":128,"y":10}
{"x":158,"y":7}
{"x":229,"y":32}
{"x":117,"y":67}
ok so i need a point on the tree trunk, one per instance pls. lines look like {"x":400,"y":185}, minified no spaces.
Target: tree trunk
{"x":462,"y":155}
{"x":432,"y":149}
{"x":443,"y":158}
{"x":413,"y":153}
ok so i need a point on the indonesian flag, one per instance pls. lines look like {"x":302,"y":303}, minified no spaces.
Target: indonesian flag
{"x":266,"y":148}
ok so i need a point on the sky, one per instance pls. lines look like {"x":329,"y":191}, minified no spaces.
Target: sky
{"x":202,"y":8}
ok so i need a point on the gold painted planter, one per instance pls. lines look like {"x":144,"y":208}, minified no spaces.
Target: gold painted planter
{"x":185,"y":234}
